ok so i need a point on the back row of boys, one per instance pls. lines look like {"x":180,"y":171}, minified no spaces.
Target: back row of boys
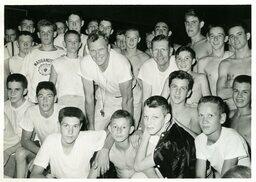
{"x":112,"y":72}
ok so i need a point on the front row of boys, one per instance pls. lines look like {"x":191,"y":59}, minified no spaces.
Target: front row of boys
{"x":45,"y":115}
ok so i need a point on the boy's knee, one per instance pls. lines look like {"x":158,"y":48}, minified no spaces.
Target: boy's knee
{"x":20,"y":154}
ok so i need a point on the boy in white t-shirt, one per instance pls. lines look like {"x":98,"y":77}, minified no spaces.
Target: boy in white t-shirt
{"x":217,"y":148}
{"x":17,"y":104}
{"x":65,"y":70}
{"x":68,"y":152}
{"x":41,"y":119}
{"x":25,"y":42}
{"x":37,"y":64}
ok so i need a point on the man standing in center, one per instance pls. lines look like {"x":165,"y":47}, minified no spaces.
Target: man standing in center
{"x":111,"y":71}
{"x":156,"y":70}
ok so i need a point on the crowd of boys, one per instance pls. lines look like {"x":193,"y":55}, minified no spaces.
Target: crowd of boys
{"x":80,"y":106}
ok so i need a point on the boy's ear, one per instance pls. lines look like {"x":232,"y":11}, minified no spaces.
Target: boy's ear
{"x":171,"y":51}
{"x":201,"y":24}
{"x":167,"y":118}
{"x":189,"y":93}
{"x":54,"y":33}
{"x":19,"y":28}
{"x":55,"y":98}
{"x":226,"y":38}
{"x":86,"y":31}
{"x":81,"y":124}
{"x":139,"y":39}
{"x":111,"y":31}
{"x":25,"y":91}
{"x":38,"y":34}
{"x":67,"y":23}
{"x":82,"y":24}
{"x":248,"y":36}
{"x":193,"y":61}
{"x":131,"y":129}
{"x":33,"y":30}
{"x":109,"y":47}
{"x":223,"y":118}
{"x":169,"y":33}
{"x":109,"y":128}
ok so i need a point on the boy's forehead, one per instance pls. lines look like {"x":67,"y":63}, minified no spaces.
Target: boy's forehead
{"x":45,"y":91}
{"x":208,"y":106}
{"x":70,"y":120}
{"x":185,"y":53}
{"x":242,"y":84}
{"x":15,"y":83}
{"x":22,"y":37}
{"x":236,"y":29}
{"x":74,"y":17}
{"x":72,"y":36}
{"x":179,"y":80}
{"x":191,"y":18}
{"x":120,"y":121}
{"x":216,"y":30}
{"x":27,"y":22}
{"x":132,"y":32}
{"x":46,"y":28}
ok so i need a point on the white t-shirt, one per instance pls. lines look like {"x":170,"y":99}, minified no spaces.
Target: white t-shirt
{"x":58,"y":41}
{"x":15,"y":115}
{"x":33,"y":120}
{"x":15,"y":64}
{"x":150,"y":74}
{"x":118,"y":71}
{"x":69,"y":79}
{"x":229,"y":145}
{"x":76,"y":164}
{"x":37,"y":68}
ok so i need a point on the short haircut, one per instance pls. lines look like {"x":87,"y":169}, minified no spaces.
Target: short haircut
{"x":183,"y":75}
{"x":160,"y":38}
{"x":122,"y":114}
{"x":195,"y":13}
{"x":120,"y":32}
{"x":215,"y":100}
{"x":238,"y":171}
{"x":10,"y":28}
{"x":25,"y":33}
{"x":77,"y":13}
{"x":162,"y":22}
{"x":16,"y":77}
{"x":158,"y":101}
{"x":47,"y":85}
{"x":133,"y":30}
{"x":243,"y":79}
{"x":186,"y":48}
{"x":238,"y":23}
{"x":72,"y":112}
{"x":106,"y":19}
{"x":95,"y":35}
{"x":214,"y":25}
{"x":27,"y":18}
{"x":72,"y":32}
{"x":46,"y":23}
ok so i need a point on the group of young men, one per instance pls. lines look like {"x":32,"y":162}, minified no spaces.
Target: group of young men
{"x":76,"y":101}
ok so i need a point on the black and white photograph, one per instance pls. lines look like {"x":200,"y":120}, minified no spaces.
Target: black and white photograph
{"x":127,"y":90}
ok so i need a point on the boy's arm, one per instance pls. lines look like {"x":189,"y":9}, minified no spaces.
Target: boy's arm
{"x":146,"y":91}
{"x":89,"y":101}
{"x":166,"y":92}
{"x":37,"y":172}
{"x":200,"y":168}
{"x":93,"y":173}
{"x":223,"y":89}
{"x":53,"y":75}
{"x":127,"y":97}
{"x":143,"y":162}
{"x":150,"y":173}
{"x":228,"y":164}
{"x":101,"y":162}
{"x":205,"y":86}
{"x":10,"y":151}
{"x":27,"y":143}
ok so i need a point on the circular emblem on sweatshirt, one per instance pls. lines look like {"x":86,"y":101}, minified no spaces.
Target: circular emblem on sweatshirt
{"x":44,"y":69}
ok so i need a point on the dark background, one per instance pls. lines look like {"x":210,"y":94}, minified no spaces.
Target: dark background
{"x":142,"y":17}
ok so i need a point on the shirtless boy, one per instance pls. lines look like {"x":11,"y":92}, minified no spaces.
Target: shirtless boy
{"x":209,"y":65}
{"x":193,"y":25}
{"x":241,"y":119}
{"x":238,"y":64}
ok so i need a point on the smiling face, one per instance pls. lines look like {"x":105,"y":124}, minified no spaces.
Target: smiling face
{"x":216,"y":37}
{"x":193,"y":26}
{"x":15,"y":92}
{"x":161,"y":52}
{"x":161,"y":28}
{"x":238,"y":38}
{"x":210,"y":118}
{"x":242,"y":94}
{"x":132,"y":39}
{"x":179,"y":90}
{"x":99,"y":51}
{"x":184,"y":61}
{"x":69,"y":129}
{"x":120,"y":129}
{"x":25,"y":43}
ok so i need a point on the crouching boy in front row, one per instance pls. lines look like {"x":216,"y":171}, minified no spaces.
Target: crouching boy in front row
{"x":69,"y":152}
{"x":217,"y":148}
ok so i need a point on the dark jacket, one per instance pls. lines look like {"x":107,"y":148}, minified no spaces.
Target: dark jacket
{"x":175,"y":153}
